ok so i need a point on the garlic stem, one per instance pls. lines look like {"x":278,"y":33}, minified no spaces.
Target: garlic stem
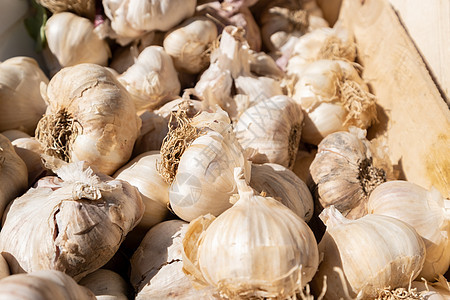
{"x":243,"y":189}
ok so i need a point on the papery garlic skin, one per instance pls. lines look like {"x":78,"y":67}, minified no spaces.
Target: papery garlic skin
{"x":85,"y":8}
{"x":282,"y":184}
{"x":106,"y":285}
{"x":72,"y":40}
{"x":152,"y":80}
{"x":424,"y":210}
{"x":271,"y":129}
{"x":97,"y":116}
{"x":29,"y":149}
{"x":373,"y":252}
{"x":436,"y":291}
{"x":4,"y":268}
{"x":73,"y":224}
{"x":189,"y":43}
{"x":256,"y":249}
{"x":20,"y":98}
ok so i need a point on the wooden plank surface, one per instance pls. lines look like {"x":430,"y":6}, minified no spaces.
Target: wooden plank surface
{"x":413,"y":117}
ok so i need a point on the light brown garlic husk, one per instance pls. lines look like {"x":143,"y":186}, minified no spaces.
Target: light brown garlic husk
{"x":270,"y":130}
{"x":44,"y":284}
{"x":361,"y":257}
{"x":425,"y":210}
{"x":333,"y":97}
{"x":29,"y":149}
{"x":20,"y":98}
{"x":343,"y":172}
{"x":106,"y":285}
{"x":72,"y":40}
{"x":256,"y":249}
{"x":282,"y":184}
{"x":131,"y":19}
{"x":157,"y":265}
{"x":198,"y":160}
{"x":85,"y":8}
{"x":90,"y":117}
{"x":13,"y":174}
{"x":4,"y":268}
{"x":190,"y":43}
{"x":73,"y":223}
{"x":152,"y":80}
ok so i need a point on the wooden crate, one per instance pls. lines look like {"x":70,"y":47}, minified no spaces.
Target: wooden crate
{"x":414,"y":119}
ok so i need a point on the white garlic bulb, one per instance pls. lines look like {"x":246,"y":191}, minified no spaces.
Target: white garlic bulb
{"x":203,"y":179}
{"x":427,"y":211}
{"x":131,"y":19}
{"x":256,"y":249}
{"x":74,"y":223}
{"x":271,"y":129}
{"x":333,"y":97}
{"x":281,"y":183}
{"x":435,"y":291}
{"x":372,"y":253}
{"x":72,"y":40}
{"x":152,"y":80}
{"x":343,"y":172}
{"x":90,"y":117}
{"x":20,"y":98}
{"x":190,"y":43}
{"x":106,"y":285}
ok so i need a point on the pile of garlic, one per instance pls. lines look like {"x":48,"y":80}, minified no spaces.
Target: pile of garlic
{"x":205,"y":150}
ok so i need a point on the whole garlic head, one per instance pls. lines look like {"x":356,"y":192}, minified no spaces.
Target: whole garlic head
{"x":256,"y":249}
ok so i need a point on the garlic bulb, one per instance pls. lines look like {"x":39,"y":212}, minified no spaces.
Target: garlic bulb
{"x":271,"y":129}
{"x":280,"y":183}
{"x":20,"y":98}
{"x":106,"y":285}
{"x":131,"y":19}
{"x":85,"y":8}
{"x":372,"y":253}
{"x":333,"y":97}
{"x":427,"y":211}
{"x":199,"y":157}
{"x":45,"y":284}
{"x":13,"y":174}
{"x":72,"y":40}
{"x":436,"y":291}
{"x":343,"y":172}
{"x":90,"y":117}
{"x":152,"y":80}
{"x":156,"y":266}
{"x":74,"y":223}
{"x":256,"y":249}
{"x":29,"y":149}
{"x":4,"y":268}
{"x":190,"y":43}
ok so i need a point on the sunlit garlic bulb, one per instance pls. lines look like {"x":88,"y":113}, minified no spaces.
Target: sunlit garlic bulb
{"x":361,"y":257}
{"x":427,"y":211}
{"x":257,"y":248}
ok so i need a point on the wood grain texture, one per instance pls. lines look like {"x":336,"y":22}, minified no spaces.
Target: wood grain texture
{"x":413,"y":117}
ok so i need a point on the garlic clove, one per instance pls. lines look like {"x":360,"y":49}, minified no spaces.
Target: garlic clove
{"x":106,"y":285}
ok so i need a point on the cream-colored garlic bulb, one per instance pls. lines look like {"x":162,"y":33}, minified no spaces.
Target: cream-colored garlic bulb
{"x":343,"y":172}
{"x":371,"y":253}
{"x":256,"y":249}
{"x":131,"y":19}
{"x":199,"y":157}
{"x":157,"y":265}
{"x":4,"y":268}
{"x":270,"y":130}
{"x":433,"y":291}
{"x":190,"y":43}
{"x":106,"y":285}
{"x":72,"y":40}
{"x":29,"y":149}
{"x":282,"y":184}
{"x":44,"y":284}
{"x":85,"y":8}
{"x":13,"y":174}
{"x":90,"y":117}
{"x":333,"y":97}
{"x":427,"y":211}
{"x":152,"y":80}
{"x":20,"y":100}
{"x":73,"y":223}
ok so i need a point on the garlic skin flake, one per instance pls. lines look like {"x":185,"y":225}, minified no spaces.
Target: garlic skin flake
{"x":256,"y":249}
{"x":73,"y":224}
{"x":72,"y":40}
{"x":372,"y":253}
{"x":20,"y":98}
{"x":427,"y":211}
{"x":90,"y":117}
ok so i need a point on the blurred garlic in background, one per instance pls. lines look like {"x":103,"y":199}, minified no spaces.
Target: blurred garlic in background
{"x":85,"y":8}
